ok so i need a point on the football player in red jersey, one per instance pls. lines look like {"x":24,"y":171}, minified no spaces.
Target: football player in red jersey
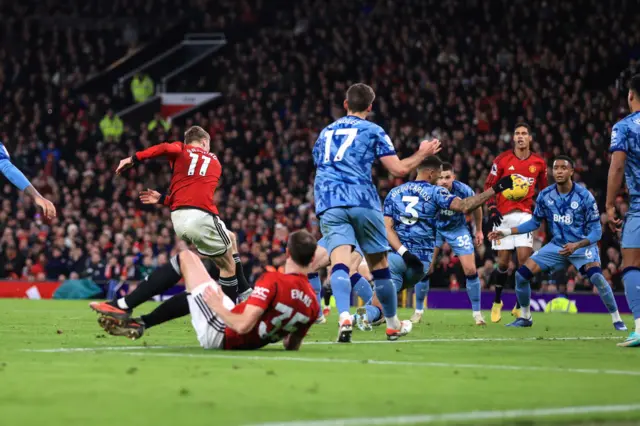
{"x":505,"y":213}
{"x":196,"y":173}
{"x":283,"y":306}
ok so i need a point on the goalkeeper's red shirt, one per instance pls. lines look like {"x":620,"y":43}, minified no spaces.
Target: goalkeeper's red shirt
{"x":196,"y":174}
{"x":533,"y":167}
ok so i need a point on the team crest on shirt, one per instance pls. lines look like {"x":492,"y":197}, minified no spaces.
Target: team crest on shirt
{"x":574,"y":205}
{"x":532,"y":169}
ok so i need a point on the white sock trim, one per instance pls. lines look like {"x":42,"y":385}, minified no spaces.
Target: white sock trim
{"x":615,"y":316}
{"x":419,"y":311}
{"x":122,"y":304}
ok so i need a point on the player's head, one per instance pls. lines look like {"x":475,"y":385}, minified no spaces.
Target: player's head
{"x":522,"y":136}
{"x":301,"y":248}
{"x":430,"y":169}
{"x":447,"y":176}
{"x":196,"y":135}
{"x":562,"y":169}
{"x":633,"y":98}
{"x":359,"y":99}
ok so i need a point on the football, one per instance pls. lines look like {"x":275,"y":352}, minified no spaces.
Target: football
{"x":520,"y":188}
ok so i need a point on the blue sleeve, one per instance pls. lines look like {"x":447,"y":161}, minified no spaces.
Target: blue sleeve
{"x":594,"y":231}
{"x":388,"y":206}
{"x":443,"y":198}
{"x":383,"y":144}
{"x":530,"y":226}
{"x":539,"y":213}
{"x":14,"y":175}
{"x":591,"y":213}
{"x":618,"y":138}
{"x":468,"y":191}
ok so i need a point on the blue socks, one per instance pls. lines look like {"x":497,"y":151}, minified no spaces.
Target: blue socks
{"x":373,"y":313}
{"x":631,"y":280}
{"x":314,"y":280}
{"x":473,"y":291}
{"x":523,"y":290}
{"x":421,"y":289}
{"x":341,"y":287}
{"x":362,"y":287}
{"x":386,"y":292}
{"x":606,"y":294}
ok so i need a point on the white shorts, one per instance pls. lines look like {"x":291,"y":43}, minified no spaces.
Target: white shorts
{"x":202,"y":229}
{"x":209,"y":328}
{"x":511,"y":220}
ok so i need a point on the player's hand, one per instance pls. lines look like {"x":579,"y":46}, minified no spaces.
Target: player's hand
{"x":125,"y":164}
{"x":495,"y":217}
{"x":412,"y":261}
{"x":503,"y":184}
{"x":479,"y":238}
{"x":149,"y":196}
{"x":495,"y":235}
{"x":568,"y":249}
{"x":214,"y":299}
{"x":612,"y":219}
{"x":47,"y":207}
{"x":431,"y":147}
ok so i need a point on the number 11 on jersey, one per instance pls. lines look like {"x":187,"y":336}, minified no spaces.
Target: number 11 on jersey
{"x":194,"y":161}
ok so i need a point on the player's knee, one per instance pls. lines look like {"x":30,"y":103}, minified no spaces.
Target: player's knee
{"x":593,"y":271}
{"x":524,"y":273}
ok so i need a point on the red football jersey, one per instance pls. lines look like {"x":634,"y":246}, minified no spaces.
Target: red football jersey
{"x":534,"y":167}
{"x":290,"y":307}
{"x":196,"y":174}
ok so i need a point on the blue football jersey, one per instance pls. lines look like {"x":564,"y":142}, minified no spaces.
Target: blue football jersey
{"x":625,"y":137}
{"x":344,"y":154}
{"x":414,"y":207}
{"x":448,"y":219}
{"x":570,"y":216}
{"x":4,"y":154}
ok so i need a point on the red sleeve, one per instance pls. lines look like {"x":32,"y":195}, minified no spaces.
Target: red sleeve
{"x":543,"y":180}
{"x":170,"y":150}
{"x":264,"y":292}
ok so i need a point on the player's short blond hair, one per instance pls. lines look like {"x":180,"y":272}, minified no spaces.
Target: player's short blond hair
{"x":195,"y":134}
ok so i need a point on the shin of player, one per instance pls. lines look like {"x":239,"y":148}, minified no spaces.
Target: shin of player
{"x":625,"y":162}
{"x":347,"y":201}
{"x":574,"y":218}
{"x":505,"y":214}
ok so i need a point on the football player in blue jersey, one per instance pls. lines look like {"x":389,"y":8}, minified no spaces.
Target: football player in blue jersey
{"x":410,"y":214}
{"x":625,"y":161}
{"x":348,"y":205}
{"x":573,"y":216}
{"x":452,"y":227}
{"x":359,"y":284}
{"x":19,"y":180}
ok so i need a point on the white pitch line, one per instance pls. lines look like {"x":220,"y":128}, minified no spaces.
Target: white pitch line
{"x":360,"y":342}
{"x":213,"y":355}
{"x":463,"y":416}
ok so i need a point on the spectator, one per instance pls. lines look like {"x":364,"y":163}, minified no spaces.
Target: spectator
{"x":56,"y":268}
{"x":141,"y":87}
{"x":158,"y":120}
{"x":111,"y":126}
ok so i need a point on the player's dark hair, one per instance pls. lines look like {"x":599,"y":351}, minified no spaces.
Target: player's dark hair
{"x":565,"y":158}
{"x":432,"y":162}
{"x":302,"y":247}
{"x":634,"y":84}
{"x":525,"y":125}
{"x":447,"y":167}
{"x":359,"y":97}
{"x":195,"y":134}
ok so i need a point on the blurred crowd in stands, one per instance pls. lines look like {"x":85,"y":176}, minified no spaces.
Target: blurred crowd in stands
{"x":464,"y":71}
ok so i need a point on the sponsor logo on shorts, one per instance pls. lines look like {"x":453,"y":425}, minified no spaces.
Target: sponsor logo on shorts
{"x":260,"y":293}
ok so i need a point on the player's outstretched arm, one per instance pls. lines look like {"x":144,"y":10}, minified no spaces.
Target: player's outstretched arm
{"x":403,"y":167}
{"x":469,"y":204}
{"x":241,"y":323}
{"x":20,"y":181}
{"x":614,"y":182}
{"x":529,"y":226}
{"x":170,"y":150}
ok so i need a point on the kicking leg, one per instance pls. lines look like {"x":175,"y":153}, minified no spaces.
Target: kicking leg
{"x":468,"y":262}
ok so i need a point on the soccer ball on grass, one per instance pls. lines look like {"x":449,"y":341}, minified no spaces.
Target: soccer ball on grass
{"x":520,"y":188}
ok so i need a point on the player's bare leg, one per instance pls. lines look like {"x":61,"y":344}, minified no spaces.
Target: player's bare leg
{"x":341,"y":288}
{"x":522,"y":253}
{"x":468,"y":262}
{"x":501,"y":275}
{"x":631,"y":280}
{"x":387,"y":295}
{"x":228,"y":280}
{"x":523,"y":292}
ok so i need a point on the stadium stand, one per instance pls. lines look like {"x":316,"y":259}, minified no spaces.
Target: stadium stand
{"x":281,"y":83}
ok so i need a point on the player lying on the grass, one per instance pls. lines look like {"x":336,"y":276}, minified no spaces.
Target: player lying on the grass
{"x":574,"y":219}
{"x":452,"y":227}
{"x":625,"y":161}
{"x":410,"y":214}
{"x":359,"y":284}
{"x":282,"y":306}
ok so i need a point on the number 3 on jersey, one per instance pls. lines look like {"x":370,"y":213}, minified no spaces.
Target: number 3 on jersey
{"x":411,"y":202}
{"x":194,"y":161}
{"x":346,"y":143}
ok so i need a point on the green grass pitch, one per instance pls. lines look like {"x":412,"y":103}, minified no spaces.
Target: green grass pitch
{"x":565,"y":370}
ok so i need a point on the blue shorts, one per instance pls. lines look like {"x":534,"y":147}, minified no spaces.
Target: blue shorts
{"x":342,"y":226}
{"x":549,"y":260}
{"x":403,"y":277}
{"x":631,"y":232}
{"x":322,"y":242}
{"x":459,"y":239}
